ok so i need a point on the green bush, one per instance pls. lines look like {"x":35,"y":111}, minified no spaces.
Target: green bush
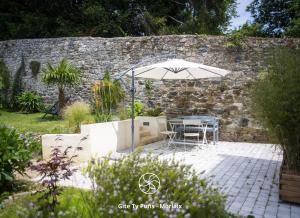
{"x":30,"y":102}
{"x":16,"y":152}
{"x":107,"y":94}
{"x":276,"y":102}
{"x":236,"y":41}
{"x":4,"y":84}
{"x":149,"y":85}
{"x":155,"y":112}
{"x":117,"y":184}
{"x":76,"y":114}
{"x":138,"y":109}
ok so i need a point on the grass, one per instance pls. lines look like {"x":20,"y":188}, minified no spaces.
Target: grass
{"x":33,"y":122}
{"x":70,"y":198}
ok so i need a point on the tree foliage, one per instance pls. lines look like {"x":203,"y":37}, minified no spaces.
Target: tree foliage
{"x":4,"y":84}
{"x":106,"y":18}
{"x":64,"y":75}
{"x":276,"y":17}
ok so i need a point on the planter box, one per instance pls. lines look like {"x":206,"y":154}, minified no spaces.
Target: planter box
{"x":289,"y":185}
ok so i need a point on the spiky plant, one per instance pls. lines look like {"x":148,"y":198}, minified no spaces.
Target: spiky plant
{"x":62,"y":76}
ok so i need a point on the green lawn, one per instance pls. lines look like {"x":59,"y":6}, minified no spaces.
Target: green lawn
{"x":71,"y":198}
{"x":33,"y":122}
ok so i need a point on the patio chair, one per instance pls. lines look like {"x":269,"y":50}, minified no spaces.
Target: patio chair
{"x":54,"y":109}
{"x":170,"y":135}
{"x":212,"y":125}
{"x":192,"y":129}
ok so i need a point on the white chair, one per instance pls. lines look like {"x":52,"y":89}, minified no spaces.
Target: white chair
{"x":192,"y":129}
{"x":170,"y":135}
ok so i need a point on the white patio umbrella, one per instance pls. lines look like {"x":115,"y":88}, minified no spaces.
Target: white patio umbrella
{"x":178,"y":69}
{"x":171,"y":69}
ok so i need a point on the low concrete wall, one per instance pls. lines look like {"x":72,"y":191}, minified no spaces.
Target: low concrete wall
{"x":154,"y":125}
{"x":110,"y":136}
{"x":101,"y":139}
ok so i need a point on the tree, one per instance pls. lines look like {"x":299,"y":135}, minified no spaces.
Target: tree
{"x":64,"y":75}
{"x":17,"y":86}
{"x":250,"y":29}
{"x":4,"y":83}
{"x":276,"y":17}
{"x":106,"y":18}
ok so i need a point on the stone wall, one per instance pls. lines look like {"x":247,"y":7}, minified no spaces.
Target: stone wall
{"x":227,"y":99}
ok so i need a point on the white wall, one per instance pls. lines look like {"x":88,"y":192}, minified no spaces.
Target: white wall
{"x":101,"y":139}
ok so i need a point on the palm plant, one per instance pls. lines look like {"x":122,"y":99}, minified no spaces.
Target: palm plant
{"x":107,"y":94}
{"x":64,"y":75}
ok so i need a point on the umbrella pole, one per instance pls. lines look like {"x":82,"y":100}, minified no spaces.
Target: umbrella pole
{"x":132,"y":109}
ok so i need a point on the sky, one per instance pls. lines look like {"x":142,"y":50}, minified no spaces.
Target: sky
{"x":243,"y":15}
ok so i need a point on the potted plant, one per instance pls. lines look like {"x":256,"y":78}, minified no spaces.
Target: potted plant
{"x":276,"y":102}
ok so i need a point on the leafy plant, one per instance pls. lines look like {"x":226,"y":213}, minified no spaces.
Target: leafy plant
{"x":276,"y":102}
{"x":117,"y":184}
{"x":106,"y":94}
{"x":76,"y":114}
{"x":52,"y":171}
{"x":64,"y":75}
{"x":4,"y":84}
{"x":138,"y":109}
{"x":17,"y":86}
{"x":148,"y":85}
{"x":155,"y":112}
{"x":236,"y":41}
{"x":101,"y":118}
{"x":30,"y":102}
{"x":35,"y":67}
{"x":15,"y":155}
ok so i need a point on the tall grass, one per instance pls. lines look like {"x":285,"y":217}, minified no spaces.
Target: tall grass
{"x":276,"y":102}
{"x":76,"y":114}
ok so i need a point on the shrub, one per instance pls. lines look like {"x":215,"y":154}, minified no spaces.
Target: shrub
{"x":4,"y":84}
{"x":155,"y":112}
{"x":52,"y":171}
{"x":276,"y":102}
{"x":16,"y":152}
{"x":138,"y":109}
{"x":30,"y":102}
{"x":148,"y":85}
{"x":76,"y":114}
{"x":117,"y":183}
{"x":236,"y":41}
{"x":35,"y":67}
{"x":106,"y":94}
{"x":17,"y":86}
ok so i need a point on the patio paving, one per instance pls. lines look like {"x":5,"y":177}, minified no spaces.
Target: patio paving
{"x":247,"y":173}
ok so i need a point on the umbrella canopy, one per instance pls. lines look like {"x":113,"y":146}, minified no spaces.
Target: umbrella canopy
{"x":178,"y":69}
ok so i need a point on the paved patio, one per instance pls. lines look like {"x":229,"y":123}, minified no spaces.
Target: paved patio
{"x":246,"y":172}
